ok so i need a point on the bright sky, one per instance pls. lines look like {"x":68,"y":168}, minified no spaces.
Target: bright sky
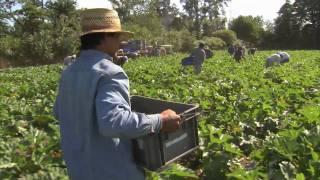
{"x":266,"y":8}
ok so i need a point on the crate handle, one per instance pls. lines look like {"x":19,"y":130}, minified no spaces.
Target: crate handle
{"x":187,"y":116}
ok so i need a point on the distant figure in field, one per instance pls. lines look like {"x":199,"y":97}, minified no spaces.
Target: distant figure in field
{"x":231,"y":49}
{"x":284,"y":57}
{"x":195,"y":59}
{"x":273,"y":60}
{"x":277,"y":59}
{"x":252,"y":51}
{"x":209,"y":53}
{"x":239,"y":53}
{"x":199,"y":55}
{"x":67,"y":61}
{"x":160,"y":51}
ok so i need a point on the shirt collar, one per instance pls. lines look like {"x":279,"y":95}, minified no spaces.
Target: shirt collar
{"x":96,"y":54}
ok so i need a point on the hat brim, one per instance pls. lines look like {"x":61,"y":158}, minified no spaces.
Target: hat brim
{"x":124,"y":35}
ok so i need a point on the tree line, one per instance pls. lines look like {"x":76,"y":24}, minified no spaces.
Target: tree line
{"x":44,"y":31}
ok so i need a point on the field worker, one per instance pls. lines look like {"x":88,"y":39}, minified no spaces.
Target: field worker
{"x":273,"y":59}
{"x":160,"y":51}
{"x":93,"y":106}
{"x":284,"y":57}
{"x":231,"y":49}
{"x":239,"y":53}
{"x":252,"y":51}
{"x":209,"y":53}
{"x":198,"y":55}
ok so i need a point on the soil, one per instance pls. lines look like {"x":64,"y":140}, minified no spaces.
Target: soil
{"x":4,"y":63}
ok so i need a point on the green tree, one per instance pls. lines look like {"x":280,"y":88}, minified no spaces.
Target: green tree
{"x":213,"y":8}
{"x":64,"y":27}
{"x":286,"y":27}
{"x":187,"y":41}
{"x":3,"y":27}
{"x":181,"y":40}
{"x":145,"y":26}
{"x":30,"y":17}
{"x":5,"y":15}
{"x":197,"y":11}
{"x":127,"y":8}
{"x":227,"y":36}
{"x":165,"y":11}
{"x":215,"y":42}
{"x":182,"y":22}
{"x":162,"y":7}
{"x":7,"y":12}
{"x":26,"y":22}
{"x":307,"y":12}
{"x":248,"y":28}
{"x":268,"y":40}
{"x":210,"y":26}
{"x":192,"y":8}
{"x":50,"y":29}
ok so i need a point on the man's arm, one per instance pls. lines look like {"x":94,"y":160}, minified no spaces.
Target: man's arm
{"x":114,"y":115}
{"x":204,"y":55}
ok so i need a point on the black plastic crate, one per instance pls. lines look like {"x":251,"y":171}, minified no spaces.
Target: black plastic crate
{"x":155,"y":151}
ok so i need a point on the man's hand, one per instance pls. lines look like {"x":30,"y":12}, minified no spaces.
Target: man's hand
{"x":170,"y":121}
{"x":120,"y":60}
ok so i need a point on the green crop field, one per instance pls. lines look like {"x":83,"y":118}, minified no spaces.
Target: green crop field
{"x":256,"y":123}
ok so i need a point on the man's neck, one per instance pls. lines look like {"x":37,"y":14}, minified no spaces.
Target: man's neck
{"x":105,"y":51}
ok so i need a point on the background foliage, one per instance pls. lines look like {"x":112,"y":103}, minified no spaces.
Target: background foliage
{"x":256,"y":123}
{"x":42,"y":32}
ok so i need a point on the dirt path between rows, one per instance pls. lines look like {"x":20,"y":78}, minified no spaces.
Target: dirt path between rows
{"x":4,"y":63}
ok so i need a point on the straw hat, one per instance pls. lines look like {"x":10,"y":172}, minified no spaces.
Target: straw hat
{"x":102,"y":20}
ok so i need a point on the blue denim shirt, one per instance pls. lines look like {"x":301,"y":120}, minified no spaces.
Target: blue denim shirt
{"x":96,"y":121}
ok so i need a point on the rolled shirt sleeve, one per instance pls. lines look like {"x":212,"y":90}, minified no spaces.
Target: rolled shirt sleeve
{"x":114,"y":115}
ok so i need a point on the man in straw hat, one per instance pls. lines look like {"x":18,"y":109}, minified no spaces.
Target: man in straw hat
{"x":93,"y":107}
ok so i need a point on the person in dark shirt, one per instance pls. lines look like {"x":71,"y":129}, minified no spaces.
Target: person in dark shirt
{"x":231,"y":49}
{"x":239,"y":53}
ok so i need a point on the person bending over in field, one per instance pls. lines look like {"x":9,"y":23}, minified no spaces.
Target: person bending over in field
{"x":273,"y":60}
{"x":239,"y":53}
{"x":277,"y":59}
{"x":209,"y":53}
{"x":284,"y":57}
{"x":198,"y":55}
{"x":252,"y":51}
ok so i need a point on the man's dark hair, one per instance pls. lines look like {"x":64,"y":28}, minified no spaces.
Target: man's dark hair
{"x":91,"y":41}
{"x":201,"y":45}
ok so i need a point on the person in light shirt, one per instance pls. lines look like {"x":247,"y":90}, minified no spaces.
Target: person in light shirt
{"x":284,"y":57}
{"x":93,"y":106}
{"x":277,"y":59}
